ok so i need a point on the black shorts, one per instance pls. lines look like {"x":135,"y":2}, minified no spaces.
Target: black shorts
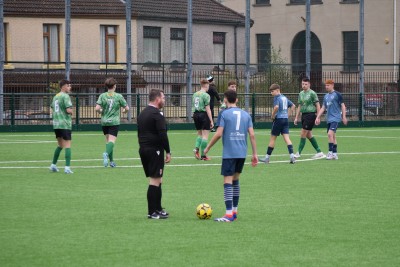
{"x":63,"y":133}
{"x":231,"y":166}
{"x":280,"y":126}
{"x":201,"y":121}
{"x":152,"y":161}
{"x":112,"y":130}
{"x":308,"y":120}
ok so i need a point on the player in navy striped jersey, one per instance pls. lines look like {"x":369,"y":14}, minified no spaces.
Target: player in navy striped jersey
{"x":235,"y":125}
{"x":335,"y":113}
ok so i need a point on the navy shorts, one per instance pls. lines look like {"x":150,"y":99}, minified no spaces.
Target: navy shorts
{"x":152,"y":161}
{"x":280,"y":126}
{"x":63,"y":133}
{"x":308,"y":120}
{"x":201,"y":121}
{"x":111,"y":130}
{"x":231,"y":166}
{"x":332,"y":126}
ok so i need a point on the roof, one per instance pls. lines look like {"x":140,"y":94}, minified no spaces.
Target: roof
{"x":204,"y":11}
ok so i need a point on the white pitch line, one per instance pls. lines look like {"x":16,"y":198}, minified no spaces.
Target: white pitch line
{"x":192,"y":165}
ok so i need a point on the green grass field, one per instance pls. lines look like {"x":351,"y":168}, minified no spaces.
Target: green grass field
{"x":312,"y":213}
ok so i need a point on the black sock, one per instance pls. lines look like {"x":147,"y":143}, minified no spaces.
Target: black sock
{"x":159,"y":206}
{"x":152,"y":193}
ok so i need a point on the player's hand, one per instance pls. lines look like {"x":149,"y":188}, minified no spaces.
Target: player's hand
{"x":345,"y":121}
{"x":168,"y":158}
{"x":211,"y":125}
{"x":295,"y":122}
{"x":254,"y":161}
{"x":317,"y":121}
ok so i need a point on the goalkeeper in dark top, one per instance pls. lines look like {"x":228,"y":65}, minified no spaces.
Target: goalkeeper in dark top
{"x":109,"y":105}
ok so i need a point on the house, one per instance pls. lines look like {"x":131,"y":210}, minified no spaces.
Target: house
{"x":35,"y":42}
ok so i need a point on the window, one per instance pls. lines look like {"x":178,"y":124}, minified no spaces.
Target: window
{"x":262,"y":2}
{"x":51,"y":42}
{"x":219,"y":48}
{"x":263,"y":51}
{"x":303,"y":2}
{"x":108,"y":47}
{"x":350,"y":51}
{"x":178,"y":45}
{"x":176,"y":95}
{"x":152,"y":44}
{"x":5,"y":42}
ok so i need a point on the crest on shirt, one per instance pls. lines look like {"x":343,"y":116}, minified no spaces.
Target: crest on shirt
{"x":158,"y":152}
{"x":162,"y":114}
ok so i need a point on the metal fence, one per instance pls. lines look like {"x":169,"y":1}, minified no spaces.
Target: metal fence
{"x":36,"y":111}
{"x":30,"y":86}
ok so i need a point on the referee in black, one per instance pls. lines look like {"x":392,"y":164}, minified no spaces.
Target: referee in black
{"x":153,"y":141}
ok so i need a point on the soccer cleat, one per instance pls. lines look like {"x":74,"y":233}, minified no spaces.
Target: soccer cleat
{"x":292,"y":160}
{"x":297,"y":155}
{"x":205,"y":158}
{"x":156,"y":216}
{"x":213,"y":130}
{"x":226,"y":218}
{"x":335,"y":156}
{"x":196,"y":153}
{"x":234,"y":215}
{"x":319,"y":155}
{"x":265,"y":160}
{"x":105,"y":159}
{"x":162,"y":212}
{"x":53,"y":168}
{"x":68,"y":171}
{"x":112,"y":164}
{"x":329,"y":156}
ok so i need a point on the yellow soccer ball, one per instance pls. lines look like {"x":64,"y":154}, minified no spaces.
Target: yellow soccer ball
{"x":204,"y":211}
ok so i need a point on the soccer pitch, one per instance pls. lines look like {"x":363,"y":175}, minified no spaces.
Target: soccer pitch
{"x":312,"y":213}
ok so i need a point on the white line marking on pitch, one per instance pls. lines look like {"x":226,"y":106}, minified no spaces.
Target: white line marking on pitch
{"x":188,"y":165}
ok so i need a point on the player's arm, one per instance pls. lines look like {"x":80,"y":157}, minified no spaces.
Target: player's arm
{"x":297,"y":114}
{"x":162,"y":133}
{"x":344,"y":118}
{"x":254,"y":157}
{"x":125,"y":109}
{"x":98,"y":109}
{"x":320,"y":112}
{"x":214,"y":139}
{"x":208,"y":110}
{"x":69,"y":110}
{"x":274,"y":111}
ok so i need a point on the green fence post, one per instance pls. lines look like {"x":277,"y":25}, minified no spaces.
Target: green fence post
{"x":12,"y":109}
{"x":360,"y":110}
{"x":253,"y":107}
{"x":137,"y":105}
{"x":77,"y":112}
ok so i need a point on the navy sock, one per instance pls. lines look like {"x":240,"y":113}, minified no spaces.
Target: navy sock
{"x":269,"y":150}
{"x":290,"y":149}
{"x":330,"y":147}
{"x":228,"y":196}
{"x":334,"y":148}
{"x":236,"y":193}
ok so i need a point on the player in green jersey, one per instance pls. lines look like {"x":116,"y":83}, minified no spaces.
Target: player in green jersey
{"x":62,"y":124}
{"x":109,"y":105}
{"x":308,"y":106}
{"x":202,"y":119}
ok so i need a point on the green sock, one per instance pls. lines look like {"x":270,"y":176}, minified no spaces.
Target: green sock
{"x":302,"y":144}
{"x":203,"y":145}
{"x":315,"y":144}
{"x":109,"y":150}
{"x":68,"y":157}
{"x":56,"y":154}
{"x":198,"y":141}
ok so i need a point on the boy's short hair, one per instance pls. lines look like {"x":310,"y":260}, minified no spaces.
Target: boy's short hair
{"x":274,"y":86}
{"x":110,"y":82}
{"x":231,"y":96}
{"x":63,"y":82}
{"x":305,"y":80}
{"x":232,"y":82}
{"x":329,"y":81}
{"x":204,"y":82}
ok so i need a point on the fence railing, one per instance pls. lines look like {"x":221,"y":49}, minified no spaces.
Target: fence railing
{"x":34,"y":108}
